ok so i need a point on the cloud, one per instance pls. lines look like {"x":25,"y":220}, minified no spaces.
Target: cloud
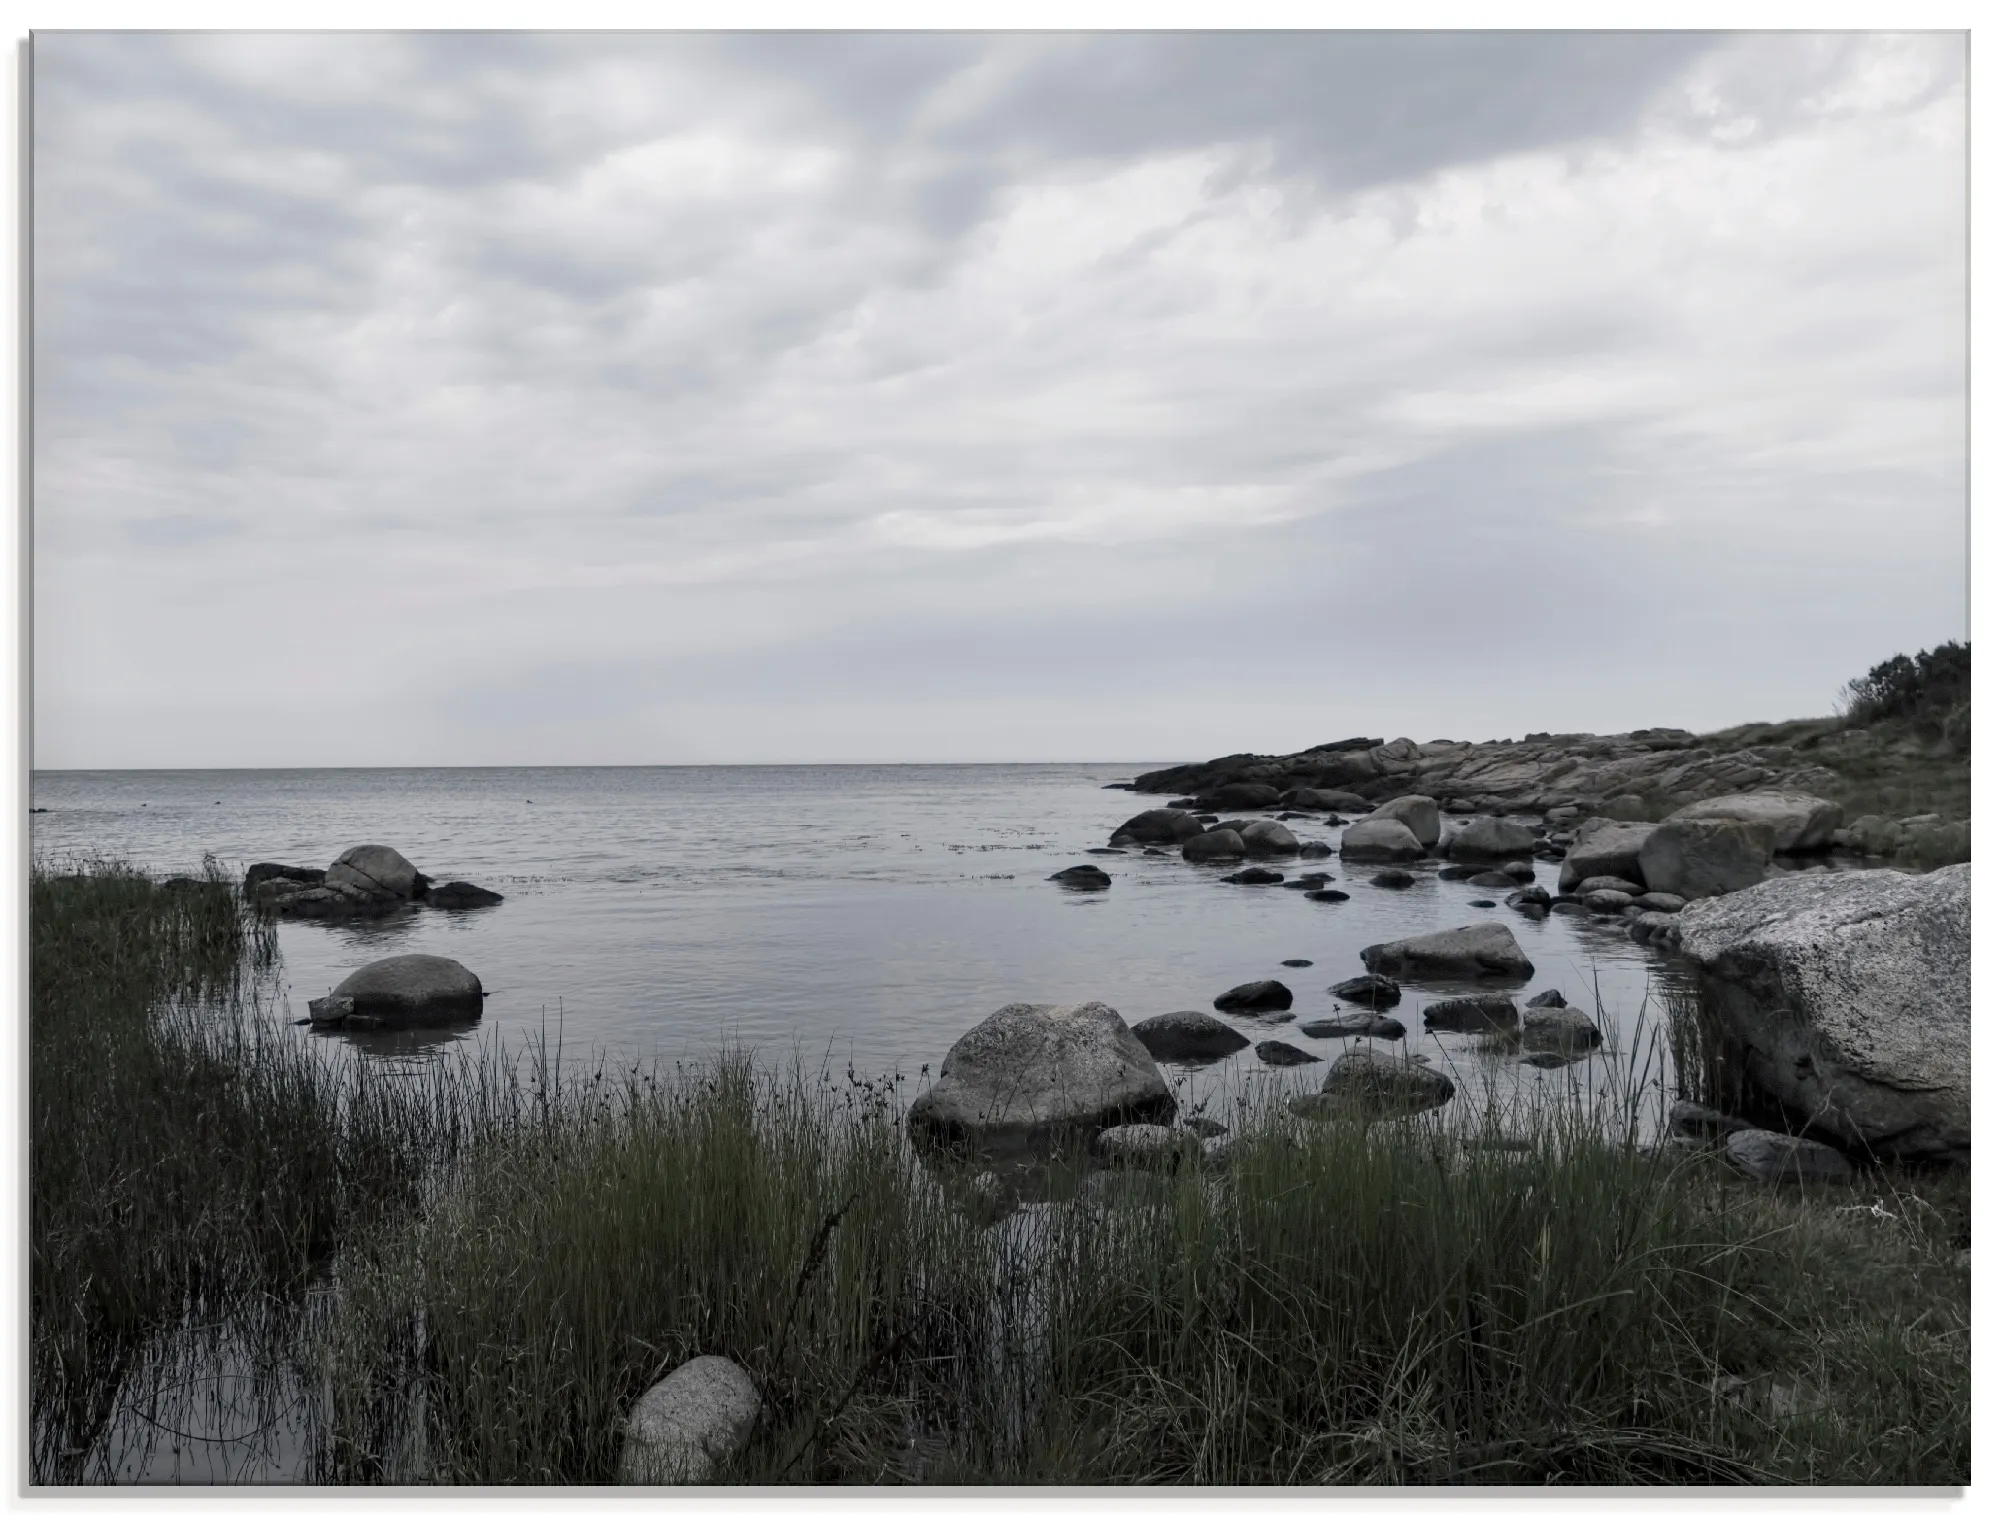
{"x":435,"y":382}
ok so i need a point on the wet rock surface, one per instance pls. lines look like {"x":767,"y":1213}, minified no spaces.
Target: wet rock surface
{"x":1189,"y":1036}
{"x":1470,"y":952}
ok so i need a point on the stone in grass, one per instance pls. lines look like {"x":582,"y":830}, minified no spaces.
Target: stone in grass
{"x":683,"y":1427}
{"x":1189,"y":1036}
{"x":1144,"y":1146}
{"x":1699,"y":1123}
{"x":1771,"y":1156}
{"x":1372,"y":989}
{"x":1082,"y":876}
{"x":1393,"y":878}
{"x":1260,"y":994}
{"x":1374,"y":1084}
{"x":1359,"y":1023}
{"x":1473,"y":1012}
{"x":1283,"y":1055}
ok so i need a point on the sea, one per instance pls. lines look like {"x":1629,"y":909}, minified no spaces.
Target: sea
{"x":846,"y":916}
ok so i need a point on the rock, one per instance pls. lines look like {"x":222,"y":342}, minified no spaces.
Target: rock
{"x":1567,"y":907}
{"x":1606,"y":881}
{"x":1605,"y":901}
{"x":1699,"y":1123}
{"x":1144,"y":1146}
{"x":1158,"y":827}
{"x":1262,"y":994}
{"x":1698,"y":859}
{"x":415,"y":989}
{"x":1283,"y":1055}
{"x":1603,"y":847}
{"x":1373,"y":1084}
{"x":1254,"y":876}
{"x":1315,"y":849}
{"x":683,"y":1428}
{"x":1309,"y":881}
{"x":1654,"y":928}
{"x":1218,"y":845}
{"x":1559,"y":1028}
{"x":1668,"y":904}
{"x":1371,"y":989}
{"x":1874,"y":833}
{"x":1459,"y":873}
{"x":1327,"y":896}
{"x":1231,"y":825}
{"x":1296,"y":962}
{"x":259,"y":872}
{"x":1105,"y":851}
{"x":1082,"y":876}
{"x":1798,"y":822}
{"x":1535,"y":896}
{"x":377,"y":870}
{"x":1492,"y":880}
{"x":459,"y":895}
{"x":1623,"y":807}
{"x":1771,"y":1156}
{"x":1393,"y":878}
{"x":1418,"y":814}
{"x":1028,"y":1075}
{"x":1846,"y":1000}
{"x":1152,"y":852}
{"x":1483,"y":951}
{"x":1380,"y":841}
{"x":291,"y":899}
{"x":1240,"y":797}
{"x":330,"y":1010}
{"x":1189,"y":1036}
{"x":1546,"y":999}
{"x":1322,"y":799}
{"x":1489,"y":837}
{"x":1359,"y":1023}
{"x":1476,"y":1012}
{"x":1520,"y":870}
{"x":1268,"y":838}
{"x":1482,"y":904}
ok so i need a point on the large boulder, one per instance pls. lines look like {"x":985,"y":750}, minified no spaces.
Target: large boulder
{"x":1383,"y":840}
{"x":1798,"y":822}
{"x":1220,"y":845}
{"x":1372,"y":1084}
{"x":415,"y":989}
{"x":1158,"y":828}
{"x":1697,"y":859}
{"x":1470,"y":952}
{"x":1603,"y":847}
{"x":1419,"y":812}
{"x":1189,"y":1036}
{"x":1845,"y":999}
{"x":378,"y":870}
{"x":1268,"y":838}
{"x":1029,"y":1075}
{"x":1489,"y":837}
{"x":687,"y":1423}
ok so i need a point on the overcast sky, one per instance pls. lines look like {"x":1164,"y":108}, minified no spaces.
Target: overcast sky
{"x":667,"y":398}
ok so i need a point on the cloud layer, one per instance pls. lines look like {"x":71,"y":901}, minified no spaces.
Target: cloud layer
{"x":433,"y":399}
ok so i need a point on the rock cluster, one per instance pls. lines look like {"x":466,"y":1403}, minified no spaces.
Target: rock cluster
{"x":364,"y":881}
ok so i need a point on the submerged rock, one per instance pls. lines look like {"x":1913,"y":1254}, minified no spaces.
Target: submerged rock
{"x":1254,"y":876}
{"x":1309,"y":881}
{"x":1846,"y":999}
{"x":1359,"y":1023}
{"x":459,"y":895}
{"x":1032,"y":1074}
{"x":1283,"y":1054}
{"x":1328,"y":896}
{"x":1477,"y":1012}
{"x":1189,"y":1036}
{"x":1483,"y":951}
{"x":1373,"y":989}
{"x":1082,"y":876}
{"x":1373,"y":1085}
{"x":1158,"y":827}
{"x":1393,"y":878}
{"x":683,"y":1427}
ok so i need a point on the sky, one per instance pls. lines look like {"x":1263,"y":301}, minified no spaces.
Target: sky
{"x":412,"y":399}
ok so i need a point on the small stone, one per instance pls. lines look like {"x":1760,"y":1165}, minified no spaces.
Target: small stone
{"x":1296,"y":962}
{"x":1360,"y":1023}
{"x":1254,"y":876}
{"x":1393,"y":878}
{"x":1260,"y":994}
{"x":1482,"y":904}
{"x":1546,"y":999}
{"x":1082,"y":876}
{"x":1473,"y":1012}
{"x":682,"y":1427}
{"x":1328,"y":896}
{"x":1283,"y":1054}
{"x":1371,"y":989}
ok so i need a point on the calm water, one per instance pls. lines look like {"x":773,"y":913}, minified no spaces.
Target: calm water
{"x":869,"y":913}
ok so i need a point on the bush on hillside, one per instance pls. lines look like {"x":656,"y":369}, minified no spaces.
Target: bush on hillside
{"x":1932,"y":692}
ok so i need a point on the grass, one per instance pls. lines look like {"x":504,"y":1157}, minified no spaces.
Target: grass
{"x":471,"y":1276}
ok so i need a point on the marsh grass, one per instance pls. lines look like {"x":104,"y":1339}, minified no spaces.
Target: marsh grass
{"x":469,"y":1276}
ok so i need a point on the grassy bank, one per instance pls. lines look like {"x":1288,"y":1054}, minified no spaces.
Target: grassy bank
{"x":506,"y":1256}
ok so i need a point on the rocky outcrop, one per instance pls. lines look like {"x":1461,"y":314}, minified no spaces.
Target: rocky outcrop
{"x":363,"y":882}
{"x":1419,"y":812}
{"x":1189,"y":1036}
{"x":683,"y":1427}
{"x":415,"y":989}
{"x":1698,"y":859}
{"x":1798,"y":822}
{"x":1470,"y":952}
{"x":1844,"y":999}
{"x":259,"y":873}
{"x":1604,"y":848}
{"x":1029,"y":1075}
{"x":1380,"y":840}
